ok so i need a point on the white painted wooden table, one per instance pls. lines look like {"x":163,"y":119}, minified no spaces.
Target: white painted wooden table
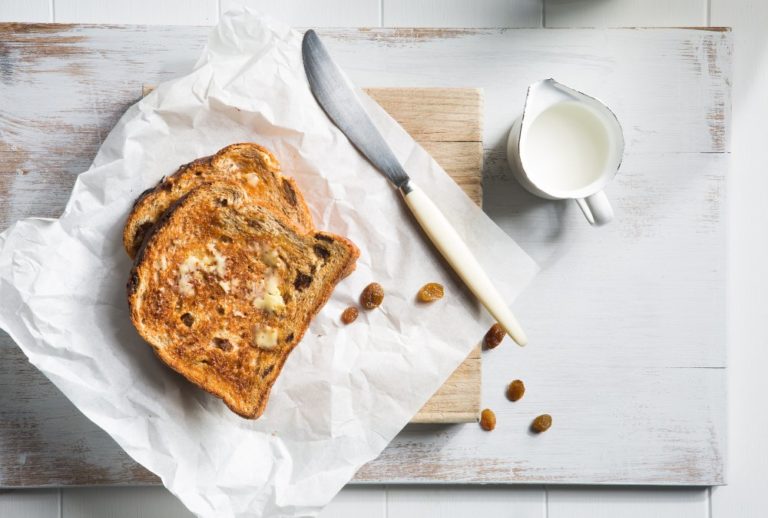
{"x":748,"y":255}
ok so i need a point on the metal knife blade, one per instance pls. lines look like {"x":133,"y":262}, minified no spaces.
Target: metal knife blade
{"x":339,"y":101}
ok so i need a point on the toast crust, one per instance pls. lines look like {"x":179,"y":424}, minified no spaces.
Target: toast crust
{"x":250,"y":165}
{"x":200,"y":288}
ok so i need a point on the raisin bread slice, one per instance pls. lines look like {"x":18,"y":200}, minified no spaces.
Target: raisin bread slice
{"x":250,"y":165}
{"x":223,"y":290}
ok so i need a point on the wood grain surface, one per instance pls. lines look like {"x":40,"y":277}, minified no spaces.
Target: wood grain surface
{"x":628,"y":339}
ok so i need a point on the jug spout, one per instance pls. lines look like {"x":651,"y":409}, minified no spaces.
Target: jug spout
{"x":543,"y":94}
{"x":548,"y":92}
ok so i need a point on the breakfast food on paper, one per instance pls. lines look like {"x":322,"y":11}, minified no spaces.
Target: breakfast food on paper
{"x":372,"y":296}
{"x":252,"y":166}
{"x":349,"y":315}
{"x":225,"y":285}
{"x":431,"y":292}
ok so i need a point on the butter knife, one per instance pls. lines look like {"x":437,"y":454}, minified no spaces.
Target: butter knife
{"x":342,"y":106}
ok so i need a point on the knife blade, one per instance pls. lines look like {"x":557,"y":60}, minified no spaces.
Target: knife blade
{"x":340,"y":103}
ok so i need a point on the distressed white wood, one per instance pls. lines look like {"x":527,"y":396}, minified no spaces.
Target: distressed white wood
{"x":464,"y":502}
{"x":358,"y":502}
{"x":462,"y":13}
{"x":29,"y":503}
{"x":627,"y":503}
{"x":313,"y":13}
{"x":632,"y":280}
{"x":637,"y":394}
{"x":625,"y":13}
{"x":745,"y":495}
{"x":151,"y":12}
{"x":602,"y":62}
{"x":59,"y":447}
{"x":25,"y":11}
{"x":592,"y":439}
{"x":124,"y":502}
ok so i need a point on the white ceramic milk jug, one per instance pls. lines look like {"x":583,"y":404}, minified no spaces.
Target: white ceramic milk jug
{"x":566,"y":145}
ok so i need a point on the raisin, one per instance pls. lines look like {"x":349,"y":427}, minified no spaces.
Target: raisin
{"x":188,"y":319}
{"x":225,"y":239}
{"x":223,"y":202}
{"x":222,"y":343}
{"x":219,"y":310}
{"x":349,"y":315}
{"x":431,"y":292}
{"x":487,"y":420}
{"x":289,"y":338}
{"x":142,"y":232}
{"x":133,"y":283}
{"x":541,"y":423}
{"x":372,"y":296}
{"x":267,"y":371}
{"x":289,"y":192}
{"x":302,"y":281}
{"x":516,"y":390}
{"x":494,"y":336}
{"x":322,"y":252}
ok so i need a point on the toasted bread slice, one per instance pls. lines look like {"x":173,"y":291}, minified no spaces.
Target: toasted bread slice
{"x":250,"y":165}
{"x":223,"y":290}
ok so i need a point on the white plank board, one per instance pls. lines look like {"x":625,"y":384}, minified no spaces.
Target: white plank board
{"x":627,"y":503}
{"x":312,"y":13}
{"x":150,"y":12}
{"x":461,"y":13}
{"x":625,"y":13}
{"x":29,"y":503}
{"x":619,"y":315}
{"x":630,"y":282}
{"x":25,"y":11}
{"x":464,"y":502}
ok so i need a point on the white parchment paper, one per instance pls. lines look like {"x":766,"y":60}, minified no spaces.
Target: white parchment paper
{"x":346,"y":390}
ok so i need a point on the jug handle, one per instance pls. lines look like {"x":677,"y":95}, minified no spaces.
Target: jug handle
{"x":596,"y":208}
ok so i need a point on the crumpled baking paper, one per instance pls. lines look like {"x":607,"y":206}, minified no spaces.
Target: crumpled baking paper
{"x":345,"y":391}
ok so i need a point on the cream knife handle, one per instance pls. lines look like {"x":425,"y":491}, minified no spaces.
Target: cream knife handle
{"x":459,"y":256}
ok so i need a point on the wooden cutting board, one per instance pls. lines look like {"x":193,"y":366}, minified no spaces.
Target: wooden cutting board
{"x":448,"y":123}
